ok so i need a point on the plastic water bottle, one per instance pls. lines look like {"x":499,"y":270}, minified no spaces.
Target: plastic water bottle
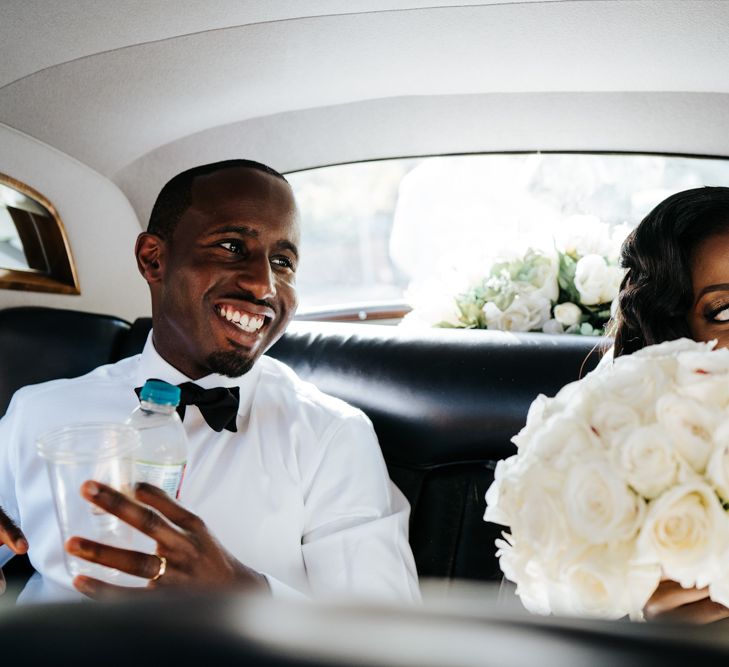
{"x":162,"y":457}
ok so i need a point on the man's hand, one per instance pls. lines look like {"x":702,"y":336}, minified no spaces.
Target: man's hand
{"x":194,"y":558}
{"x":671,"y":602}
{"x":13,"y":537}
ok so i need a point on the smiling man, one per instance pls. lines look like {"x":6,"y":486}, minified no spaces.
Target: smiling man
{"x":292,"y":495}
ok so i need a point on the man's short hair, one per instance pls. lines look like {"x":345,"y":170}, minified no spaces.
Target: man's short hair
{"x":176,"y":195}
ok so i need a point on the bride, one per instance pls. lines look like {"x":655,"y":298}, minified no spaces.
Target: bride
{"x":677,"y":285}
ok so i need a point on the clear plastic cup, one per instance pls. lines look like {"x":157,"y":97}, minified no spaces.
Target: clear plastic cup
{"x":103,"y":452}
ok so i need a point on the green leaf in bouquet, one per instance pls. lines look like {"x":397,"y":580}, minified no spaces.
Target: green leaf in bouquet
{"x":471,"y":314}
{"x":598,"y":316}
{"x":499,"y":289}
{"x":566,"y":279}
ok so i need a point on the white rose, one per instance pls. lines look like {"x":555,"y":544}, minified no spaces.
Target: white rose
{"x":545,"y":278}
{"x":493,"y":315}
{"x":527,"y":498}
{"x":660,"y":359}
{"x":552,"y":327}
{"x":690,"y":426}
{"x":520,"y":566}
{"x":685,"y":531}
{"x":566,"y":395}
{"x":576,"y":400}
{"x":706,"y":360}
{"x":719,"y":588}
{"x":643,"y":579}
{"x":538,"y":308}
{"x":704,"y":376}
{"x":561,"y":439}
{"x":534,"y":420}
{"x":503,"y":497}
{"x":596,"y":584}
{"x":648,"y":460}
{"x":568,"y":313}
{"x":541,"y":523}
{"x":596,"y":281}
{"x":599,"y":504}
{"x":527,"y":312}
{"x":612,"y":421}
{"x":615,"y":278}
{"x":633,"y":382}
{"x":717,"y":470}
{"x":673,"y":349}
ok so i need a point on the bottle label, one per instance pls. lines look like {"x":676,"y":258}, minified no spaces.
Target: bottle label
{"x":166,"y":476}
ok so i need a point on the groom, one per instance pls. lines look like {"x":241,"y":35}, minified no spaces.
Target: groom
{"x":293,"y":498}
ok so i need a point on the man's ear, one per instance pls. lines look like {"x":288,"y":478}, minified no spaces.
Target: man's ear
{"x":150,"y":252}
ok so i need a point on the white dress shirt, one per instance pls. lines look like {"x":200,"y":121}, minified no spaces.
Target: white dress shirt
{"x":299,"y":493}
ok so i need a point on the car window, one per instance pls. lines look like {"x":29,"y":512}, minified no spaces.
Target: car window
{"x":373,"y":232}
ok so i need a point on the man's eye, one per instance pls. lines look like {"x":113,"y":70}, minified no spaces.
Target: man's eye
{"x":232,"y":246}
{"x":283,"y":261}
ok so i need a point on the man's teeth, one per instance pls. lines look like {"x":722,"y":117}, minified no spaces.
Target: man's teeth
{"x":249,"y":323}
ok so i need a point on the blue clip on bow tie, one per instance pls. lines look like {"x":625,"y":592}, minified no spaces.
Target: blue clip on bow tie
{"x":218,"y":406}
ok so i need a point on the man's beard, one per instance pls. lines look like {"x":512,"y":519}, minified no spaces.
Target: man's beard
{"x":231,"y":364}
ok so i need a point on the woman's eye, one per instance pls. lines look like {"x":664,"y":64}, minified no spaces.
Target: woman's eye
{"x":231,"y":246}
{"x":720,"y":314}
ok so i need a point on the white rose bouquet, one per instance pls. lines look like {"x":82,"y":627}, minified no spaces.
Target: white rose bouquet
{"x":619,"y":480}
{"x":589,"y":275}
{"x":568,"y":289}
{"x":516,"y":295}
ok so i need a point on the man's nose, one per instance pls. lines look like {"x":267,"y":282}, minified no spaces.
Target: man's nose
{"x":257,"y":277}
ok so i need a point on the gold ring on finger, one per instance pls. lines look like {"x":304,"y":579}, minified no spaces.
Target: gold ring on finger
{"x":162,"y":567}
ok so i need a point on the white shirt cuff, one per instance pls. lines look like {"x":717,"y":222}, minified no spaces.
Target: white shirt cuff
{"x":282,"y":590}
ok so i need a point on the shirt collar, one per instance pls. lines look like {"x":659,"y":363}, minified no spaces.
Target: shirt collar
{"x":152,"y":365}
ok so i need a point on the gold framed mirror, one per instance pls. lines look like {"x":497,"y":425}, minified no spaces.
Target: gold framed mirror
{"x":34,"y":251}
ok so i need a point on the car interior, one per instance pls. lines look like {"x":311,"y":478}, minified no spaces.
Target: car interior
{"x":102,"y":102}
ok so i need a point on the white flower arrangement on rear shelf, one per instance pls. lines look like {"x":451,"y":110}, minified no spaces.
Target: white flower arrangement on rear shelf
{"x":619,"y":480}
{"x":570,"y":288}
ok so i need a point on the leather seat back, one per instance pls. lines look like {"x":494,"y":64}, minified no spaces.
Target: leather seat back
{"x":444,"y":403}
{"x":40,"y":344}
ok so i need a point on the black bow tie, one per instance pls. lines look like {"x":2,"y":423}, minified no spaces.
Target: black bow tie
{"x":218,"y":406}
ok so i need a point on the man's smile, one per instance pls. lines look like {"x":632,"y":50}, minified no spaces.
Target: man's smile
{"x":244,"y":319}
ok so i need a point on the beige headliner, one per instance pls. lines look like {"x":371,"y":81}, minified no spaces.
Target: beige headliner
{"x":137,"y":90}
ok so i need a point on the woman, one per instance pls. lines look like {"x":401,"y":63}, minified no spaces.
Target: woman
{"x":677,"y":285}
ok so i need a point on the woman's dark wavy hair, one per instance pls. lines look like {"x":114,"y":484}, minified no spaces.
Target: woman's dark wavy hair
{"x":656,"y":293}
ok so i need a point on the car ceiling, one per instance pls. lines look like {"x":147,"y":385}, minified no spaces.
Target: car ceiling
{"x":139,"y":90}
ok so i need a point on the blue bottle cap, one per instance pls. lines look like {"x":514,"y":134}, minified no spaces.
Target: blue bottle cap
{"x":161,"y":393}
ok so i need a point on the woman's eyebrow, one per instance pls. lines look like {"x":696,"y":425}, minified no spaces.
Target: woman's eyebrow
{"x":712,"y":288}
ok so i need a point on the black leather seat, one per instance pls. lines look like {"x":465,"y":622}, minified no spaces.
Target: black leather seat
{"x":444,"y":403}
{"x":39,"y":344}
